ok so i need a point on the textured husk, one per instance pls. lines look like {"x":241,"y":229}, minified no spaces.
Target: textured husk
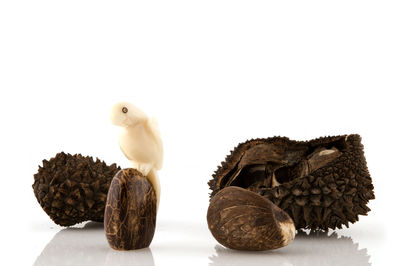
{"x":329,"y":197}
{"x":72,"y":188}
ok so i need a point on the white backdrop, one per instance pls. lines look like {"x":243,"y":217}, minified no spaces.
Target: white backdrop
{"x":215,"y":73}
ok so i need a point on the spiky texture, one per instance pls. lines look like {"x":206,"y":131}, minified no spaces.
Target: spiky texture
{"x":72,"y":188}
{"x":329,"y":197}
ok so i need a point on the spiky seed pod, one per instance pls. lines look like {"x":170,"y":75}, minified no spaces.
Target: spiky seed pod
{"x":72,"y":188}
{"x":130,"y":215}
{"x":322,"y":183}
{"x":241,"y":219}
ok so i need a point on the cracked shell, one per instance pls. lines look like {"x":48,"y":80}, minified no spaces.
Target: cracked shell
{"x":322,"y":183}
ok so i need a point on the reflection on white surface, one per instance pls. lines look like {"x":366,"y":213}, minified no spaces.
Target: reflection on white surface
{"x":315,"y":248}
{"x":190,"y":244}
{"x":88,"y":246}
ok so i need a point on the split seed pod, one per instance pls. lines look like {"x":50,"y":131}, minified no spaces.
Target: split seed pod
{"x":322,"y":183}
{"x":241,"y":219}
{"x":131,"y":209}
{"x":72,"y":188}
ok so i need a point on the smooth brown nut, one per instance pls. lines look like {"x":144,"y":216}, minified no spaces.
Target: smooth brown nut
{"x":241,"y":219}
{"x":130,"y":214}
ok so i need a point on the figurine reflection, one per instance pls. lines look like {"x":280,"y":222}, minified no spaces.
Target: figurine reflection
{"x":88,"y":246}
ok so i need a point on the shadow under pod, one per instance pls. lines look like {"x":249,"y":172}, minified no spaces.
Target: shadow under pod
{"x":88,"y":246}
{"x":315,"y":248}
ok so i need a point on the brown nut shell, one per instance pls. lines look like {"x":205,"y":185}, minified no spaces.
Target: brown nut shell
{"x":130,"y":214}
{"x":241,"y":219}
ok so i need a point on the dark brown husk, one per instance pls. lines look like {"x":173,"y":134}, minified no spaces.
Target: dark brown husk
{"x":72,"y":188}
{"x":331,"y":195}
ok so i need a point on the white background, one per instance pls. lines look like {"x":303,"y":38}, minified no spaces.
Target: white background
{"x":215,"y":73}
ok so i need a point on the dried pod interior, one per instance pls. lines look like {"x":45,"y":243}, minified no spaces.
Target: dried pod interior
{"x":268,"y":165}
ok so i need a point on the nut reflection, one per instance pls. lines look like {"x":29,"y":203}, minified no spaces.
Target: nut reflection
{"x":88,"y":246}
{"x":314,"y":248}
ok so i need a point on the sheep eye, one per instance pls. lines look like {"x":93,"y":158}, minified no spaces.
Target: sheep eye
{"x":124,"y":110}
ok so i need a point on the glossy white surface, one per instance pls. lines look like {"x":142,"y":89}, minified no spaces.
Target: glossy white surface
{"x":87,"y":246}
